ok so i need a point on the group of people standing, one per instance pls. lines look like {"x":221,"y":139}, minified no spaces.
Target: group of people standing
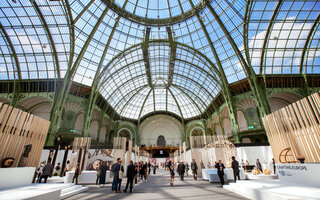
{"x":46,"y":170}
{"x":182,"y":168}
{"x":133,"y":171}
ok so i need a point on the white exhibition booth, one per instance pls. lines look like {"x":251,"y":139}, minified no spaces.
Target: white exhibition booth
{"x":209,"y":174}
{"x":86,"y":177}
{"x":301,"y":174}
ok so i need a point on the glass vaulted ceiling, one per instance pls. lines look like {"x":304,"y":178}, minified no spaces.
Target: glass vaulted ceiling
{"x":149,"y":55}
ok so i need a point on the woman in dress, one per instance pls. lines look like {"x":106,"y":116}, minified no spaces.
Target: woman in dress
{"x":171,"y":169}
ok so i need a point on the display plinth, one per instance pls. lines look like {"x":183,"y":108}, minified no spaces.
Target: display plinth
{"x":16,"y":176}
{"x":228,"y":172}
{"x":86,"y":177}
{"x":298,"y":173}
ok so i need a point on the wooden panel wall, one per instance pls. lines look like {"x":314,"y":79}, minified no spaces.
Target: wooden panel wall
{"x":297,"y":127}
{"x":80,"y":148}
{"x":18,"y":129}
{"x":119,"y":148}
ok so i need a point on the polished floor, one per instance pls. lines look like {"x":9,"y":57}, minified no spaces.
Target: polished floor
{"x":158,"y":187}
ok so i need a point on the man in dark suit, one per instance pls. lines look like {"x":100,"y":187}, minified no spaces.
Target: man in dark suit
{"x":194,"y":168}
{"x":235,"y":167}
{"x":130,"y":176}
{"x":116,"y":170}
{"x":220,"y":167}
{"x":181,"y":169}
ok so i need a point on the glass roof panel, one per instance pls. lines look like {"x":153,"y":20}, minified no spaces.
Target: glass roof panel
{"x":108,"y":39}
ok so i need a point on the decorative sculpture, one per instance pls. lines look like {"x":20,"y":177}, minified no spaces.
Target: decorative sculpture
{"x":224,"y":150}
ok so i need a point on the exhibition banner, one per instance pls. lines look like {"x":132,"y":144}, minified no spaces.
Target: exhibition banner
{"x":298,"y":173}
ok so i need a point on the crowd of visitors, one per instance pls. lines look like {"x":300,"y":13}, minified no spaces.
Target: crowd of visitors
{"x":136,"y":172}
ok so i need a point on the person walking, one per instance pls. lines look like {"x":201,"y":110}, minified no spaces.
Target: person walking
{"x":171,"y":170}
{"x":103,"y":172}
{"x":145,"y":168}
{"x":181,"y":169}
{"x":40,"y":170}
{"x":141,"y":171}
{"x":242,"y":164}
{"x":46,"y":172}
{"x":258,"y":165}
{"x":220,"y":167}
{"x":194,"y":168}
{"x":187,"y":168}
{"x":116,"y":170}
{"x":56,"y":170}
{"x":98,"y":173}
{"x":149,"y":167}
{"x":235,"y":167}
{"x":274,"y":165}
{"x":246,"y":164}
{"x":77,"y":172}
{"x":131,"y":171}
{"x":136,"y":167}
{"x":154,"y":168}
{"x":120,"y":178}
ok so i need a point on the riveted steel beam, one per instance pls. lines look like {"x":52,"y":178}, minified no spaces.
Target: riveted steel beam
{"x":82,"y":12}
{"x":173,"y":52}
{"x":157,"y":21}
{"x":175,"y":99}
{"x":128,"y":101}
{"x":142,"y":106}
{"x":145,"y":53}
{"x":260,"y":95}
{"x":61,"y":94}
{"x":123,"y":53}
{"x":307,"y":43}
{"x":95,"y":89}
{"x":225,"y":90}
{"x":182,"y":89}
{"x":245,"y":30}
{"x":16,"y":67}
{"x":17,"y":74}
{"x":267,"y":37}
{"x":49,"y":35}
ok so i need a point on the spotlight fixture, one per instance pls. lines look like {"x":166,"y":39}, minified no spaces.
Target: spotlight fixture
{"x":14,"y":1}
{"x":44,"y":46}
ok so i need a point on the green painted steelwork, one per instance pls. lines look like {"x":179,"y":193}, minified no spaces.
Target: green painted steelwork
{"x":46,"y":28}
{"x":260,"y":96}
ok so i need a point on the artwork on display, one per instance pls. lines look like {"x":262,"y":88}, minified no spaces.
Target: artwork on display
{"x":97,"y":155}
{"x":154,"y":160}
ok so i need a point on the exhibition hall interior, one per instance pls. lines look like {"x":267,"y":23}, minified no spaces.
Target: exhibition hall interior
{"x":160,"y":99}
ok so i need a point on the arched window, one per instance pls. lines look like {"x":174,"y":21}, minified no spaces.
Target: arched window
{"x":161,"y":142}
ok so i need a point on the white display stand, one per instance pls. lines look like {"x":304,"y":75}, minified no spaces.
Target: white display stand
{"x":298,"y":173}
{"x":16,"y":176}
{"x":228,"y":172}
{"x":86,"y":177}
{"x":251,"y":176}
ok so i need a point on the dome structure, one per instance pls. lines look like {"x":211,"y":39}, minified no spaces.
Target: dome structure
{"x":143,"y":56}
